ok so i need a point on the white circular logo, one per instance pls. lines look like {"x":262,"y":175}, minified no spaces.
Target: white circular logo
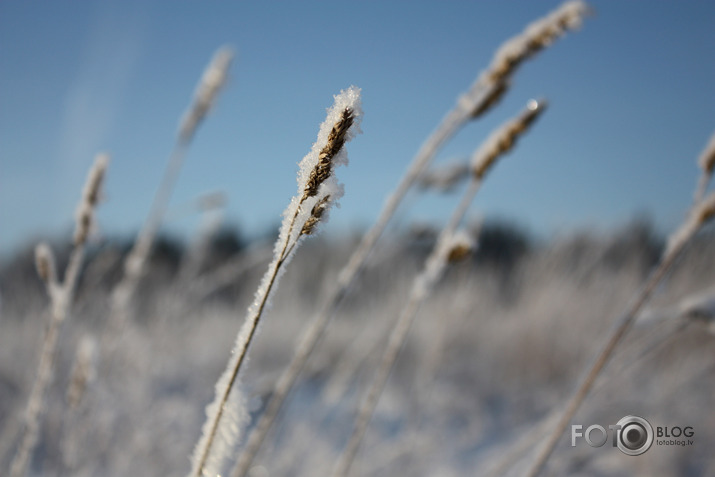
{"x":635,"y":436}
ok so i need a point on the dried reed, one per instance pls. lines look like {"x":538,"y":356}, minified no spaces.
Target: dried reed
{"x":678,"y":318}
{"x":83,"y":372}
{"x":483,"y":94}
{"x":317,"y":191}
{"x":61,"y":296}
{"x":207,"y":91}
{"x":700,"y":214}
{"x":209,"y":86}
{"x":445,"y":250}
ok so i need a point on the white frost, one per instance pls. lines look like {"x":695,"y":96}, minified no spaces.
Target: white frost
{"x":234,"y":415}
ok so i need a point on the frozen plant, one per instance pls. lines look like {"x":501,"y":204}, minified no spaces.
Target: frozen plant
{"x":318,"y":190}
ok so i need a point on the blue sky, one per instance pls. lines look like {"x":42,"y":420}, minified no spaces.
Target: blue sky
{"x":632,"y":100}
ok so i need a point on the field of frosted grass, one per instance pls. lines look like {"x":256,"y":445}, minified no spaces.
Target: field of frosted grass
{"x":479,"y":386}
{"x":498,"y":345}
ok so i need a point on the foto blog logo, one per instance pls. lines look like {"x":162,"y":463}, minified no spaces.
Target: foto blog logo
{"x":632,"y":435}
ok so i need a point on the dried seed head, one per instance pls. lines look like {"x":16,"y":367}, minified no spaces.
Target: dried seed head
{"x":315,"y":214}
{"x":535,"y":37}
{"x":90,"y":198}
{"x":94,"y":182}
{"x":495,"y":94}
{"x":459,"y":252}
{"x":212,"y":81}
{"x":707,"y":157}
{"x":461,"y":245}
{"x":45,"y":263}
{"x":504,"y":139}
{"x":336,"y":140}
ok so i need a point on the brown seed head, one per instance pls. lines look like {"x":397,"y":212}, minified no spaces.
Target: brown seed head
{"x":504,"y":139}
{"x":315,"y":214}
{"x":535,"y":37}
{"x":459,"y":252}
{"x":460,"y":246}
{"x":211,"y":83}
{"x":494,"y":96}
{"x":90,"y":198}
{"x":94,"y":181}
{"x":336,"y":140}
{"x":45,"y":263}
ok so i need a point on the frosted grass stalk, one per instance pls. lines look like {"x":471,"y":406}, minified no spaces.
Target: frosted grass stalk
{"x":526,"y":440}
{"x":61,"y":297}
{"x":699,"y":306}
{"x":318,"y":190}
{"x":701,"y":213}
{"x":500,"y":142}
{"x":482,"y":95}
{"x":209,"y":86}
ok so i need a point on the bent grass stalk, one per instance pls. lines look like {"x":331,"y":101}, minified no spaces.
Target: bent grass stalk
{"x":700,"y":214}
{"x":500,"y":142}
{"x":525,"y":442}
{"x":61,"y":297}
{"x":83,"y":372}
{"x":318,"y":186}
{"x":483,"y":94}
{"x":209,"y":86}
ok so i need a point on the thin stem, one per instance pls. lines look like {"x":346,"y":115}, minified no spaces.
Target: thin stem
{"x":212,"y":81}
{"x":398,"y":336}
{"x":496,"y":145}
{"x":619,"y":331}
{"x":61,"y":297}
{"x":253,"y":320}
{"x":452,"y":122}
{"x":135,"y":261}
{"x":537,"y":432}
{"x":482,"y":95}
{"x":36,"y":401}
